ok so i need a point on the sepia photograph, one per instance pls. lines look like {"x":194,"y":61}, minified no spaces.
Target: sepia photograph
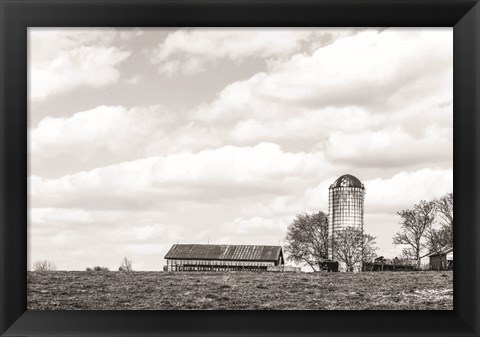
{"x":240,"y":168}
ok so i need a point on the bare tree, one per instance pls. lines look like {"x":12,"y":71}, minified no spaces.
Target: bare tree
{"x":440,"y":233}
{"x":126,"y":265}
{"x":444,"y":208}
{"x":413,"y":233}
{"x":44,"y":265}
{"x":435,"y":239}
{"x":353,"y":247}
{"x":307,"y":239}
{"x":369,"y":247}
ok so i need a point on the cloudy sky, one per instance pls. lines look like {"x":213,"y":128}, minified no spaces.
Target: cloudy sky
{"x":142,"y":138}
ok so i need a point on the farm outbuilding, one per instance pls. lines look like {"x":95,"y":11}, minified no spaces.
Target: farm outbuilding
{"x":198,"y":257}
{"x":441,"y":260}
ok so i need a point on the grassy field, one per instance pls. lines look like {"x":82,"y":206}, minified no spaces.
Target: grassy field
{"x":240,"y":290}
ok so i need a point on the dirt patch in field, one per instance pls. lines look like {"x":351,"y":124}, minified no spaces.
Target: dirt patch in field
{"x":240,"y":290}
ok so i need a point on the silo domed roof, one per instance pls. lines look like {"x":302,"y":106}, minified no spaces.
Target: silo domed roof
{"x":347,"y":180}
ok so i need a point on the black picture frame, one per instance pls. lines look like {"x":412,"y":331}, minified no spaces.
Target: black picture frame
{"x":17,"y":15}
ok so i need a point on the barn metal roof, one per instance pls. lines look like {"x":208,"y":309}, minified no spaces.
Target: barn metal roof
{"x":225,"y":252}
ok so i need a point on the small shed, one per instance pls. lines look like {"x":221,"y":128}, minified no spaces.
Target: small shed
{"x":441,"y":260}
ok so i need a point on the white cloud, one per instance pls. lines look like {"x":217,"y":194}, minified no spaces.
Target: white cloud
{"x":129,"y":33}
{"x":380,"y":71}
{"x":105,"y":125}
{"x":371,"y":100}
{"x":370,"y":68}
{"x":61,"y":60}
{"x":310,"y":127}
{"x":226,"y":172}
{"x":56,"y":216}
{"x":75,"y":238}
{"x":405,"y":189}
{"x":100,"y":136}
{"x":390,"y":194}
{"x":257,"y":226}
{"x":190,"y":51}
{"x":261,"y":108}
{"x":391,"y":147}
{"x":134,"y":80}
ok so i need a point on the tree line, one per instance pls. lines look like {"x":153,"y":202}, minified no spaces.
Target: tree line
{"x":427,"y":226}
{"x":45,"y":265}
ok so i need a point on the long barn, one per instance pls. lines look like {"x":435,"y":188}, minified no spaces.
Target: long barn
{"x":183,"y":257}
